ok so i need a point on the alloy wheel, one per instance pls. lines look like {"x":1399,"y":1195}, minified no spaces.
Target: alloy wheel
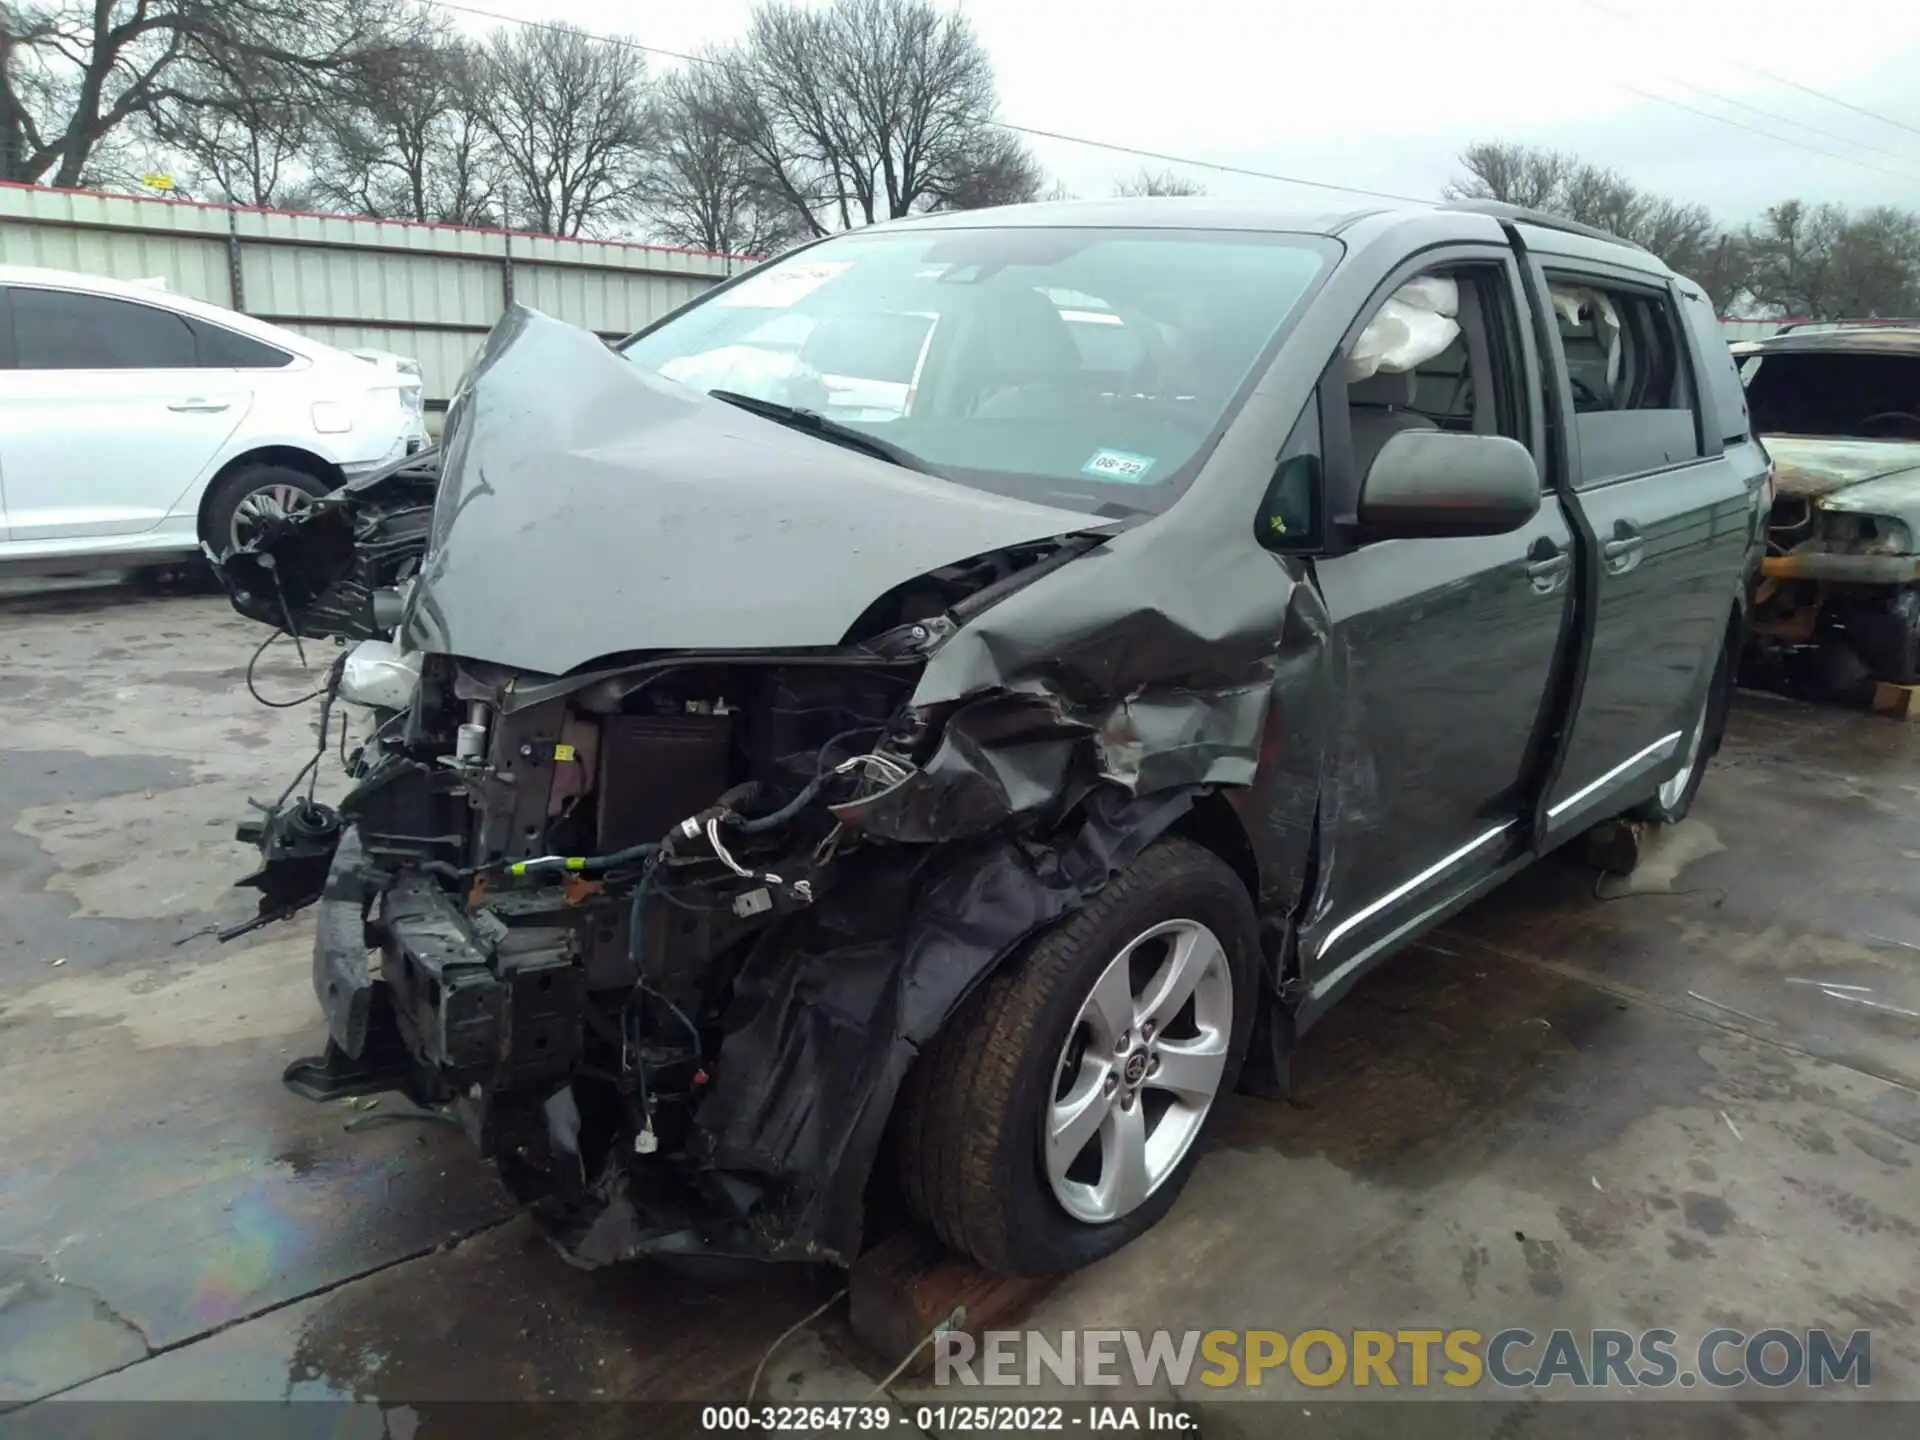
{"x":1673,"y":791}
{"x":268,"y":503}
{"x":1139,"y":1072}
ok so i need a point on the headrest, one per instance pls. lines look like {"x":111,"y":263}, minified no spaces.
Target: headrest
{"x":1026,"y":335}
{"x":1383,"y":388}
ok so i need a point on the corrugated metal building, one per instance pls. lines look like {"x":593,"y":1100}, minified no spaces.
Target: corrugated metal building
{"x":429,"y":291}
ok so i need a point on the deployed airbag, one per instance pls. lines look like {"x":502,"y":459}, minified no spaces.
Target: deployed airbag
{"x":1412,"y":327}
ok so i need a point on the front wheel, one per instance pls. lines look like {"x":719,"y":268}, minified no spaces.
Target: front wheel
{"x":1885,"y":633}
{"x":1058,"y":1115}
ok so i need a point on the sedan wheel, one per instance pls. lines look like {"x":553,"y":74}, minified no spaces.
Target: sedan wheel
{"x":1139,"y":1072}
{"x":249,"y":498}
{"x":268,"y":503}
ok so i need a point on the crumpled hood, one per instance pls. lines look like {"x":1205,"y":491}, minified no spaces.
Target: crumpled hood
{"x":1897,"y":495}
{"x":1814,"y":466}
{"x":589,"y":507}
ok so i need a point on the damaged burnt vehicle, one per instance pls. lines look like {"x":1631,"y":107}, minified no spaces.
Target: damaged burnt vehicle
{"x":912,"y":729}
{"x":1838,"y":408}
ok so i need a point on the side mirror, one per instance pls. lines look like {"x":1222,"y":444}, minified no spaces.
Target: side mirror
{"x":1440,"y":483}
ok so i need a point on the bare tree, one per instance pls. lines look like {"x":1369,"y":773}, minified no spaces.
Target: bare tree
{"x":570,"y":115}
{"x":1822,"y":262}
{"x":1878,"y":263}
{"x":1549,"y":180}
{"x":1685,"y":236}
{"x":243,"y":136}
{"x":1157,"y":182}
{"x":73,"y":72}
{"x":1003,"y":172}
{"x":412,"y":144}
{"x":1724,"y":271}
{"x":1512,"y":174}
{"x":869,"y":110}
{"x":1595,"y":195}
{"x":703,"y":187}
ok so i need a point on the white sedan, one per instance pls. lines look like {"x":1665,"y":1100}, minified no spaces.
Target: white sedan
{"x":138,"y":425}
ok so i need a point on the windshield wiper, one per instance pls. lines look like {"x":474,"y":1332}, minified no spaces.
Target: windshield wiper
{"x":814,"y":423}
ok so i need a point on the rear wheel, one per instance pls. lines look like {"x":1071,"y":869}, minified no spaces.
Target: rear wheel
{"x":251,"y":497}
{"x":1674,"y":798}
{"x":1059,"y":1114}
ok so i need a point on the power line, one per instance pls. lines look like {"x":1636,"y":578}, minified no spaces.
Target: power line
{"x":1783,"y":119}
{"x":1206,"y":164}
{"x":1755,"y":70}
{"x":1107,"y":145}
{"x":1761,"y":111}
{"x":1767,"y":134}
{"x":555,"y":26}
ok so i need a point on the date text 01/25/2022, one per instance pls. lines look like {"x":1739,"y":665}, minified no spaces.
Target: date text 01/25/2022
{"x":949,"y":1419}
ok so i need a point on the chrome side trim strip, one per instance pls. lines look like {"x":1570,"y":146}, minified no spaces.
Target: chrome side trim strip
{"x":1400,"y":892}
{"x":1658,"y":750}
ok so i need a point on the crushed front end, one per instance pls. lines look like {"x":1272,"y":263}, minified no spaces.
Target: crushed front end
{"x":698,"y":790}
{"x":1841,"y":577}
{"x":563,"y":896}
{"x":1839,"y":598}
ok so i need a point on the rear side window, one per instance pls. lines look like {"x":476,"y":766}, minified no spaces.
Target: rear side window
{"x":221,"y":349}
{"x":63,"y":330}
{"x":1634,"y":406}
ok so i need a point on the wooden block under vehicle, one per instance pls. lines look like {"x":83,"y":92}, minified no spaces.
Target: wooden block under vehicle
{"x":1898,"y":702}
{"x":910,"y":1283}
{"x":1613,"y":846}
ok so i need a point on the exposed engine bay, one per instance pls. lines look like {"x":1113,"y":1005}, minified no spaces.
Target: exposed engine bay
{"x":569,"y":891}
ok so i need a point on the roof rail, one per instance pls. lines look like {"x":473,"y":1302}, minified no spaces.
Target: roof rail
{"x":1520,"y":214}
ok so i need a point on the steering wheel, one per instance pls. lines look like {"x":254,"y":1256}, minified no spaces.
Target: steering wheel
{"x":1899,"y":419}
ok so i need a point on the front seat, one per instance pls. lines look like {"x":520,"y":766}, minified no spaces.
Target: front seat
{"x":1379,"y":408}
{"x":1025,"y":363}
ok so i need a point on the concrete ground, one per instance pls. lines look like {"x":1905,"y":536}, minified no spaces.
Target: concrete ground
{"x":1635,"y":1109}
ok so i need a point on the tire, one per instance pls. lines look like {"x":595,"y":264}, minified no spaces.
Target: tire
{"x":1885,"y":634}
{"x":1672,"y":801}
{"x":969,"y":1146}
{"x":224,"y":523}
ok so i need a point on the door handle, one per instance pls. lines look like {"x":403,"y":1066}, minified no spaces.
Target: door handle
{"x":198,"y":406}
{"x":1622,"y":552}
{"x":1550,"y":573}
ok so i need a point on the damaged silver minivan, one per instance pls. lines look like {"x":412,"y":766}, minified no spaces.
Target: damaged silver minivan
{"x":909,"y":732}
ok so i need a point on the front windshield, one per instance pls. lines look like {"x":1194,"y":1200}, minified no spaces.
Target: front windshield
{"x":1858,"y":395}
{"x":1083,"y":367}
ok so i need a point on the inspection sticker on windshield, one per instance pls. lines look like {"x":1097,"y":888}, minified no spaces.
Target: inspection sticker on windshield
{"x":781,"y":287}
{"x":1118,"y":465}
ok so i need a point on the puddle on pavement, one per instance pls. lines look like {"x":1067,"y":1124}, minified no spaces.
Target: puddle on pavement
{"x":629,"y":1331}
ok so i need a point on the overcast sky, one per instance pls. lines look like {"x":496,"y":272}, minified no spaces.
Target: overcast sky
{"x":1381,"y":94}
